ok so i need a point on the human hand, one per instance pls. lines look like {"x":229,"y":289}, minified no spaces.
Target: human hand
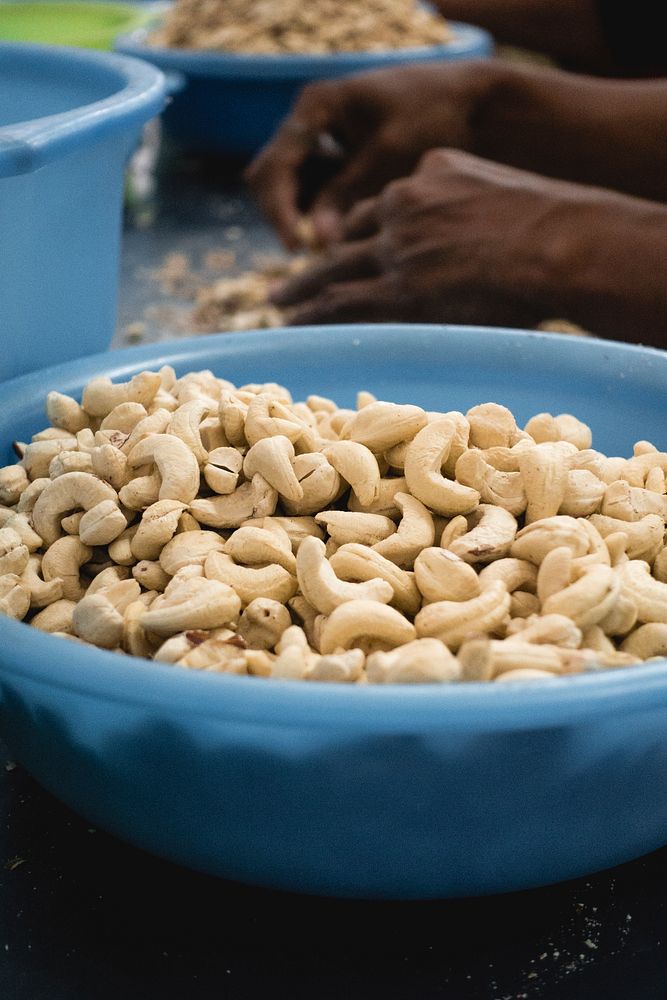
{"x":365,"y":130}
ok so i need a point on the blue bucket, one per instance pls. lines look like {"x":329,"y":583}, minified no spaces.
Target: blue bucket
{"x":68,"y":121}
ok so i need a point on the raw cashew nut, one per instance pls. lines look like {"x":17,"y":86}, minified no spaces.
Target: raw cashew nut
{"x":63,"y":561}
{"x":355,"y":562}
{"x":158,"y":526}
{"x":322,"y":588}
{"x":191,"y":548}
{"x":416,"y":531}
{"x":632,"y":503}
{"x":193,"y":604}
{"x":14,"y":555}
{"x":357,"y":465}
{"x":177,"y":466}
{"x":13,"y":482}
{"x":356,"y":623}
{"x":346,"y":526}
{"x":319,"y":481}
{"x":537,"y":539}
{"x":343,"y":668}
{"x":101,"y":396}
{"x":647,"y":640}
{"x":250,"y":582}
{"x":379,"y":426}
{"x":272,"y":458}
{"x":14,"y":596}
{"x":486,"y":659}
{"x":64,"y":412}
{"x":256,"y":546}
{"x":102,"y":523}
{"x":57,"y":617}
{"x":503,"y":489}
{"x":42,"y":593}
{"x":587,"y":600}
{"x":263,"y":622}
{"x":253,"y":499}
{"x":222,"y":470}
{"x":516,"y":574}
{"x":385,"y":503}
{"x":98,"y":617}
{"x":422,"y":661}
{"x":454,"y":621}
{"x":649,"y":595}
{"x":186,"y":422}
{"x":491,"y":426}
{"x":443,"y":576}
{"x":68,"y":493}
{"x":544,"y":470}
{"x":491,"y":533}
{"x":424,"y":458}
{"x":266,"y":417}
{"x":645,"y":537}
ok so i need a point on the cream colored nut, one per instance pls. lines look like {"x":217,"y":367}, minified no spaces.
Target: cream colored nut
{"x":622,"y":618}
{"x":212,"y":435}
{"x":70,"y":461}
{"x":57,"y":617}
{"x":14,"y":596}
{"x":552,"y":629}
{"x":117,"y":439}
{"x":649,"y":595}
{"x":503,"y":489}
{"x":656,"y":481}
{"x":272,"y":458}
{"x":293,"y":663}
{"x":583,"y":494}
{"x":535,"y":540}
{"x":616,"y":544}
{"x":64,"y":412}
{"x":98,"y":618}
{"x":632,"y":503}
{"x":307,"y":617}
{"x":365,"y":398}
{"x":222,"y":470}
{"x":41,"y":593}
{"x":253,"y":499}
{"x":659,"y":568}
{"x":526,"y":675}
{"x":217,"y":655}
{"x":157,"y":527}
{"x":102,"y":524}
{"x":360,"y":623}
{"x":124,"y":418}
{"x":187,"y":522}
{"x":191,"y":548}
{"x":193,"y":604}
{"x":200,"y":383}
{"x":272,"y":389}
{"x":486,"y":659}
{"x":574,"y":431}
{"x":416,"y":531}
{"x":380,"y":426}
{"x":321,"y":404}
{"x":38,"y":456}
{"x":186,"y":422}
{"x":156,"y":422}
{"x":594,"y":638}
{"x":73,"y":491}
{"x":150,"y":575}
{"x":28,"y":497}
{"x":597,"y":549}
{"x":141,"y":492}
{"x":454,"y":528}
{"x":587,"y":600}
{"x":346,"y":526}
{"x":14,"y":555}
{"x":491,"y":533}
{"x":555,"y":573}
{"x":259,"y":662}
{"x":178,"y":646}
{"x":292,"y":636}
{"x":422,"y":661}
{"x":343,"y":668}
{"x":107,"y":578}
{"x":647,"y":641}
{"x":233,"y":410}
{"x":636,"y":469}
{"x":385,"y":503}
{"x":110,"y":463}
{"x":251,"y":582}
{"x":491,"y":425}
{"x":424,"y":459}
{"x":267,"y":417}
{"x":120,"y":550}
{"x":515,"y":574}
{"x":355,"y":562}
{"x":255,"y":546}
{"x":134,"y":639}
{"x":13,"y":481}
{"x":176,"y":465}
{"x":645,"y":537}
{"x":63,"y":561}
{"x":296,"y":528}
{"x":523,"y":604}
{"x":542,"y":427}
{"x":443,"y":576}
{"x":53,"y":434}
{"x":101,"y":396}
{"x":357,"y":465}
{"x":263,"y":622}
{"x":454,"y":621}
{"x":319,"y":481}
{"x":544,"y":470}
{"x":322,"y":588}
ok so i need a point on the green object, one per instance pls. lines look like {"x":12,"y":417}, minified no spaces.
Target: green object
{"x":87,"y":25}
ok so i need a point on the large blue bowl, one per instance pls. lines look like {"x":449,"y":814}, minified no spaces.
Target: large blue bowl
{"x":391,"y":791}
{"x":69,"y":119}
{"x":231,"y":103}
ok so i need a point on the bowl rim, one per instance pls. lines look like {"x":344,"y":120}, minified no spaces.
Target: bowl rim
{"x":28,"y":654}
{"x":203,"y":63}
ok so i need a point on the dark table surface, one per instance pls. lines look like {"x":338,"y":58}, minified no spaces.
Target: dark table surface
{"x":84,"y":916}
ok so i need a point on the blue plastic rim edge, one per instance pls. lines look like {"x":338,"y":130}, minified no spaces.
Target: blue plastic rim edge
{"x":25,"y":652}
{"x":470,"y":41}
{"x":27,"y":146}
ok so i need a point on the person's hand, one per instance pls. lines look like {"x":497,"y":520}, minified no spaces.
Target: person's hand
{"x":364,"y":131}
{"x":466,"y":240}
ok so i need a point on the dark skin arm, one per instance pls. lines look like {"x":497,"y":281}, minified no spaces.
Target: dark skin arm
{"x":604,"y":132}
{"x":466,"y":240}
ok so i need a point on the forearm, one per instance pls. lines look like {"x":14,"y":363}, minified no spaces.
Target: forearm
{"x":568,"y":30}
{"x":603,"y":132}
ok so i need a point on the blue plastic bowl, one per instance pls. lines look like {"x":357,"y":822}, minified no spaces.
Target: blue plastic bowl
{"x":232,"y":103}
{"x":68,"y":120}
{"x":409,"y":792}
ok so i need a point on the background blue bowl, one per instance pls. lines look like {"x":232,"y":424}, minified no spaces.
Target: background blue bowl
{"x":232,"y":103}
{"x":409,"y":792}
{"x":69,"y":118}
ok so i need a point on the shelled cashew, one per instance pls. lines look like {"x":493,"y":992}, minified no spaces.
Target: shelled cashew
{"x":230,"y":529}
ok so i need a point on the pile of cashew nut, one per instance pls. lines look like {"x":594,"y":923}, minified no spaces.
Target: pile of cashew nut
{"x":232,"y":530}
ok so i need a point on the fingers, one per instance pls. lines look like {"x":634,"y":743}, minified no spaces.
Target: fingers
{"x":349,"y":261}
{"x":347,"y":302}
{"x":362,"y":221}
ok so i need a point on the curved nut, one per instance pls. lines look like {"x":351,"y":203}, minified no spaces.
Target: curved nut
{"x":28,"y":498}
{"x":645,"y":537}
{"x":98,"y":617}
{"x":177,"y":466}
{"x":346,"y":526}
{"x":14,"y":555}
{"x":38,"y":456}
{"x":622,"y":618}
{"x":70,"y":461}
{"x":13,"y":481}
{"x":120,"y":550}
{"x":523,"y":604}
{"x":63,"y":561}
{"x":358,"y":466}
{"x":424,"y":458}
{"x":491,"y":426}
{"x":632,"y":503}
{"x":355,"y":623}
{"x":535,"y":540}
{"x":42,"y":593}
{"x":380,"y":426}
{"x":486,"y":659}
{"x":588,"y":599}
{"x":249,"y":583}
{"x":64,"y":412}
{"x":57,"y":617}
{"x":555,"y":572}
{"x":322,"y":588}
{"x":385,"y":502}
{"x":355,"y":562}
{"x":185,"y":424}
{"x":222,"y":470}
{"x":198,"y":603}
{"x":319,"y":481}
{"x":453,"y":621}
{"x":422,"y":661}
{"x":263,"y":622}
{"x":107,"y":578}
{"x":71,"y":492}
{"x":544,"y":470}
{"x":649,"y":595}
{"x":191,"y":548}
{"x":553,"y":629}
{"x":503,"y":489}
{"x":101,"y":396}
{"x":14,"y":597}
{"x":416,"y":531}
{"x":151,"y":575}
{"x":158,"y":526}
{"x":102,"y":523}
{"x":272,"y":458}
{"x":255,"y":546}
{"x":343,"y":668}
{"x":253,"y":499}
{"x":583,"y":494}
{"x":217,"y":654}
{"x":443,"y":576}
{"x":267,"y":417}
{"x":516,"y":574}
{"x":491,"y":533}
{"x":124,"y":418}
{"x":647,"y":640}
{"x":110,"y":463}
